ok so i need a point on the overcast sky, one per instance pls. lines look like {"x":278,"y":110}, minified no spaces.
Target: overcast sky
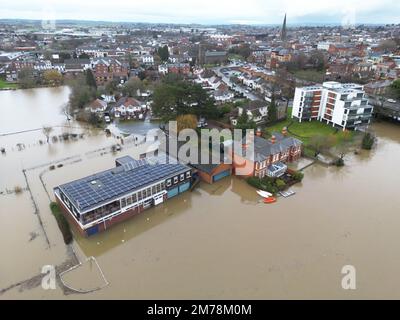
{"x":206,"y":11}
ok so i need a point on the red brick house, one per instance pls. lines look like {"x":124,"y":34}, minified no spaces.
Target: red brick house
{"x":108,"y":69}
{"x":270,"y":156}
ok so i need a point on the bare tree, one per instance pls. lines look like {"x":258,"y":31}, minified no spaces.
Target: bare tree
{"x":47,"y":131}
{"x":321,"y":143}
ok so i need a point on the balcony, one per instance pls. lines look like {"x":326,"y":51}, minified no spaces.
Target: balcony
{"x":277,"y":170}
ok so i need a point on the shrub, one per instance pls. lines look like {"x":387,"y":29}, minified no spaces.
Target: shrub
{"x":280,"y":184}
{"x":62,"y":222}
{"x":265,"y":184}
{"x":367,"y":141}
{"x":17,"y":189}
{"x":298,"y":176}
{"x":339,"y":162}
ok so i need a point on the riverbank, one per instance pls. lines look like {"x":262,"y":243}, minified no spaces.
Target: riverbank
{"x":4,"y":85}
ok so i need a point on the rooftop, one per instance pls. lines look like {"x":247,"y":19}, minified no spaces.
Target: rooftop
{"x":101,"y":188}
{"x":264,"y":148}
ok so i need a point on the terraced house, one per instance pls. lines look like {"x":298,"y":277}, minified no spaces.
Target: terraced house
{"x":270,"y":157}
{"x":109,"y":69}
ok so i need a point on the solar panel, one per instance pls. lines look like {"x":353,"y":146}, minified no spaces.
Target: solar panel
{"x":116,"y":182}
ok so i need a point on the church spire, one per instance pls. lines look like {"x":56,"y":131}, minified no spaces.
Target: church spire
{"x":284,"y":31}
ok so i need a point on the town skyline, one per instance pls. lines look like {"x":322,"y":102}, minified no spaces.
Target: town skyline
{"x":223,"y":12}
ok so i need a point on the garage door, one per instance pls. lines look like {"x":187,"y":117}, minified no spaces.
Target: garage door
{"x":184,"y":187}
{"x":221,"y":175}
{"x":173,"y":192}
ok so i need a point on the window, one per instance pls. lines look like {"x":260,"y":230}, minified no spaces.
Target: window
{"x":182,"y":177}
{"x":123,"y":203}
{"x":140,"y":197}
{"x":169,"y":182}
{"x":134,"y":198}
{"x":176,"y":180}
{"x":162,"y":185}
{"x":154,"y":189}
{"x":148,"y":192}
{"x":129,"y":201}
{"x":188,"y":174}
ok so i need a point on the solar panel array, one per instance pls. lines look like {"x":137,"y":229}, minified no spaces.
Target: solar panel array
{"x":103,"y":187}
{"x":134,"y":164}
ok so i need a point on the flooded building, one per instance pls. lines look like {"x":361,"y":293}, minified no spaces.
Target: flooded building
{"x":270,"y":156}
{"x":99,"y":201}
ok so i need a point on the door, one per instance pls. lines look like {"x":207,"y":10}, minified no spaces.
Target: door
{"x":184,"y":187}
{"x":173,"y":192}
{"x":92,"y":231}
{"x":221,"y":175}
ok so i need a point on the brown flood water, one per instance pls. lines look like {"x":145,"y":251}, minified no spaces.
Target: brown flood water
{"x":219,"y":241}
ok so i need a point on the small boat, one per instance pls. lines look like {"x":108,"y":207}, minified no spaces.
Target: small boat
{"x":264,"y":194}
{"x":270,"y":200}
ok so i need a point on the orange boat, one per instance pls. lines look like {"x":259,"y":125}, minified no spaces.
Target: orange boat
{"x":270,"y":200}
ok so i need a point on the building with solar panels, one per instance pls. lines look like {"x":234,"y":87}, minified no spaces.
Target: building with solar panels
{"x":96,"y":202}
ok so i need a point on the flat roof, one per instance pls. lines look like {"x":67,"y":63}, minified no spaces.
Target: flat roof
{"x":104,"y":187}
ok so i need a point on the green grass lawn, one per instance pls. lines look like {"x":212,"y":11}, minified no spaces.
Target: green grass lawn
{"x":310,"y":75}
{"x":7,"y":85}
{"x":234,"y":56}
{"x":307,"y":129}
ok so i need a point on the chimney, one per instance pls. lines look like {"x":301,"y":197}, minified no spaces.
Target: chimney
{"x":273,"y":139}
{"x":249,"y":140}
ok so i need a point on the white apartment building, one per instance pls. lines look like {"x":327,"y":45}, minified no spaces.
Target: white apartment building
{"x":323,"y":46}
{"x":342,"y":105}
{"x":148,"y":59}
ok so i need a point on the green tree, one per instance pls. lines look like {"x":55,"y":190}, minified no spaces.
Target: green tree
{"x":243,"y":50}
{"x":395,"y":88}
{"x":280,"y":184}
{"x":111,"y":86}
{"x":64,"y":56}
{"x":90,"y":80}
{"x":174,"y":97}
{"x":52,"y":77}
{"x":298,"y":176}
{"x":272,"y":111}
{"x":244,"y":123}
{"x":368,"y":141}
{"x":26,"y":78}
{"x":163,"y":53}
{"x":84,"y":56}
{"x":317,"y":60}
{"x":132,"y":86}
{"x":130,"y":61}
{"x":81,"y":93}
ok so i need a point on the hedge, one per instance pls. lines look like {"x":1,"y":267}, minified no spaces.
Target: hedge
{"x":62,"y":222}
